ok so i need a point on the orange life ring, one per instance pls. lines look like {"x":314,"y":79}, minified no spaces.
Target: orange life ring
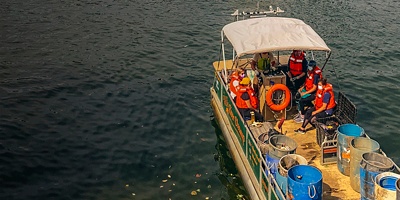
{"x":286,"y":101}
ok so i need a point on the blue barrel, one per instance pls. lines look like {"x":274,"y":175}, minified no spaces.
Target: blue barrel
{"x":281,"y":182}
{"x":398,"y":189}
{"x":346,"y":132}
{"x":359,"y":146}
{"x":280,"y":145}
{"x":304,"y":182}
{"x":385,"y":186}
{"x":371,"y":165}
{"x":285,"y":163}
{"x":272,"y":164}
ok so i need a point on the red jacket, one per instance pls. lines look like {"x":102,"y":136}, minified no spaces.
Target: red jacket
{"x":320,"y":96}
{"x":240,"y":103}
{"x":234,"y":77}
{"x":311,"y":76}
{"x":296,"y":64}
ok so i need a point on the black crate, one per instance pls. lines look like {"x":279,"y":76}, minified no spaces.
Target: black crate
{"x":345,"y":113}
{"x":326,"y":129}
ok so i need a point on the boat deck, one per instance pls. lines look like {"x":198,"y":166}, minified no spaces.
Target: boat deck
{"x":335,"y":184}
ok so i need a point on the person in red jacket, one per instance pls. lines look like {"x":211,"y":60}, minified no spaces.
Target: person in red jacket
{"x":307,"y":91}
{"x":324,"y":105}
{"x":236,"y":77}
{"x":246,"y":101}
{"x":297,"y":65}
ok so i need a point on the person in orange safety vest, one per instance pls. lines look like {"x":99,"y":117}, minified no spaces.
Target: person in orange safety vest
{"x":297,"y":69}
{"x":236,"y":77}
{"x":324,"y":105}
{"x":307,"y":91}
{"x":247,"y":101}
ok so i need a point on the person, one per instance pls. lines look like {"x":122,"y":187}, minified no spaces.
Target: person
{"x":246,"y":101}
{"x":263,"y":61}
{"x":236,"y":77}
{"x":324,"y":105}
{"x":307,"y":91}
{"x":297,"y":65}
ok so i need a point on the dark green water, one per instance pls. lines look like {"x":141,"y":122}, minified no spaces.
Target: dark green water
{"x":105,"y":99}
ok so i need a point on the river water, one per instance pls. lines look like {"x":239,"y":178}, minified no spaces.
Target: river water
{"x":110,"y":99}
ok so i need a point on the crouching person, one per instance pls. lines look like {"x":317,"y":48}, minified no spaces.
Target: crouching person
{"x":247,"y":101}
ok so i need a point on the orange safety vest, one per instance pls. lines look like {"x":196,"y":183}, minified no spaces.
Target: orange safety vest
{"x":311,"y":76}
{"x":320,"y":96}
{"x":234,"y":77}
{"x":296,"y":64}
{"x":240,"y":103}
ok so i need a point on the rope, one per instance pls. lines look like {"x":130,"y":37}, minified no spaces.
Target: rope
{"x":337,"y":78}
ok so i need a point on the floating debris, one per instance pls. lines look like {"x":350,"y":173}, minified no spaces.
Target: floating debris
{"x":193,"y":193}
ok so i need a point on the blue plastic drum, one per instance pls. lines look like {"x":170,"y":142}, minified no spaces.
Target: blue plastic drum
{"x":304,"y":182}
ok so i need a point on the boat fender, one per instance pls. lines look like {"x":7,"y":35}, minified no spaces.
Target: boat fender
{"x":286,"y":101}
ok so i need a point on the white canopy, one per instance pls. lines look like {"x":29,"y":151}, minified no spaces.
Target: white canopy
{"x":269,"y":34}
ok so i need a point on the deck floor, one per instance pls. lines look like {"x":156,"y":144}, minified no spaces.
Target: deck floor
{"x":335,"y":184}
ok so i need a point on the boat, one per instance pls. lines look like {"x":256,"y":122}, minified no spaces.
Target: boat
{"x":256,"y":32}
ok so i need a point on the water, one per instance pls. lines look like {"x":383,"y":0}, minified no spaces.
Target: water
{"x":105,"y":99}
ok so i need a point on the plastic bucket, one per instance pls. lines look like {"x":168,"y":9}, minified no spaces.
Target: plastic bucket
{"x":398,"y":189}
{"x":272,"y":164}
{"x":304,"y":182}
{"x":359,"y":146}
{"x":281,"y":182}
{"x":385,"y":186}
{"x":285,"y":163}
{"x":371,"y":165}
{"x":345,"y":133}
{"x":280,"y":145}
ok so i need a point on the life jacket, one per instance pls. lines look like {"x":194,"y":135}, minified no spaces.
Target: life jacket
{"x":234,"y":77}
{"x":296,"y":64}
{"x":319,"y":97}
{"x":264,"y":63}
{"x":240,"y":103}
{"x":311,"y":76}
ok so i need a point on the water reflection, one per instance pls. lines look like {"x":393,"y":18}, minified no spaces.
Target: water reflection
{"x":228,"y":174}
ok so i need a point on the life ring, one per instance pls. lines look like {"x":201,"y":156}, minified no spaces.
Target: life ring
{"x":286,"y":101}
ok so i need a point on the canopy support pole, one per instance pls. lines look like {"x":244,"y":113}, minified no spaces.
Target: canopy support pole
{"x":223,"y":57}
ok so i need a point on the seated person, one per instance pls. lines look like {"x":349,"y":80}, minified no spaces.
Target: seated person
{"x":324,"y":105}
{"x":307,"y":91}
{"x":235,"y":79}
{"x":263,"y":61}
{"x":297,"y":66}
{"x":246,"y":101}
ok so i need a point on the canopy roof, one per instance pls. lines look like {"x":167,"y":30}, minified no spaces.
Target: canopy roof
{"x":269,"y":34}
